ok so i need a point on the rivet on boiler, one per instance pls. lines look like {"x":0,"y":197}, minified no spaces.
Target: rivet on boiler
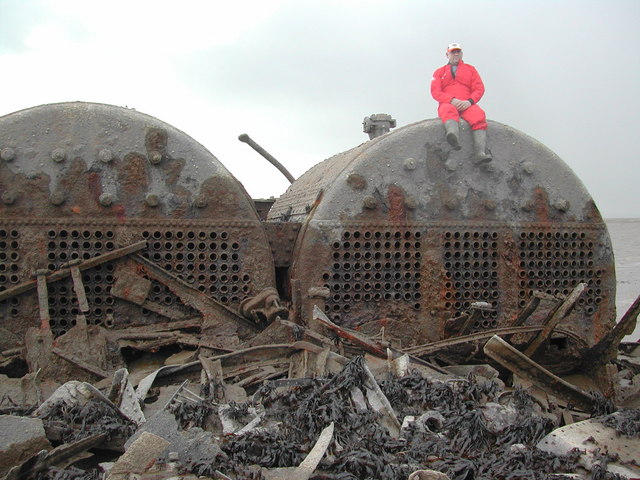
{"x":562,"y":205}
{"x":8,"y":198}
{"x":7,"y":154}
{"x":106,"y":199}
{"x":528,"y":167}
{"x":155,"y":157}
{"x":58,"y":155}
{"x":410,"y":164}
{"x":201,"y":201}
{"x":105,"y":155}
{"x":57,"y":197}
{"x":369,"y":202}
{"x":152,"y":200}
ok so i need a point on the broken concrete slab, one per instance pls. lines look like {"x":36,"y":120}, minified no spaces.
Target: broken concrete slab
{"x":427,"y":475}
{"x":139,"y":456}
{"x":183,"y":444}
{"x":595,"y":439}
{"x":25,"y":393}
{"x":20,"y":439}
{"x":60,"y":457}
{"x":123,"y":395}
{"x":498,"y":417}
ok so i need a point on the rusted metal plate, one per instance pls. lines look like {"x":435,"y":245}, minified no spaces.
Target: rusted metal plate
{"x":134,"y":288}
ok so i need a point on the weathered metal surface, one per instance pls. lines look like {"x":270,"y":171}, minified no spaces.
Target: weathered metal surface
{"x":520,"y":364}
{"x":282,"y":238}
{"x":264,"y":308}
{"x":558,"y":315}
{"x":407,"y":234}
{"x":430,"y":348}
{"x":84,"y":179}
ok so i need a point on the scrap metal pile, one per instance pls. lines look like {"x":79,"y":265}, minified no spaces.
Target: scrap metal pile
{"x":301,"y":410}
{"x":398,"y":312}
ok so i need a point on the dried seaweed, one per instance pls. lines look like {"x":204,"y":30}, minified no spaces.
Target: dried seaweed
{"x":268,"y":449}
{"x":209,"y":467}
{"x":464,"y":448}
{"x":69,"y":473}
{"x":602,"y":405}
{"x":80,"y":421}
{"x":625,"y":422}
{"x":192,"y":413}
{"x":362,"y":448}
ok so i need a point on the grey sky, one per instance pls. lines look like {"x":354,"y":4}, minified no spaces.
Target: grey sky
{"x":299,"y":76}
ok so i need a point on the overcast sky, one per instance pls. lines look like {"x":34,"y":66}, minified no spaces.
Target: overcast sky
{"x":299,"y":76}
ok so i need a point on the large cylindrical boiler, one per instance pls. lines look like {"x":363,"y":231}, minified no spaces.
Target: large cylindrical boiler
{"x":408,"y":235}
{"x":81,"y":180}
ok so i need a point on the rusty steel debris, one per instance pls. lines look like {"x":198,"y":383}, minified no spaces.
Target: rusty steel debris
{"x":399,"y":312}
{"x":520,"y":364}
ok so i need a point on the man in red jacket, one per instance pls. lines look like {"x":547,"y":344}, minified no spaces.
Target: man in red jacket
{"x":458,"y":88}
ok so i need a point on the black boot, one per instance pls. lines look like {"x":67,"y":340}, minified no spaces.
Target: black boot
{"x":452,"y":129}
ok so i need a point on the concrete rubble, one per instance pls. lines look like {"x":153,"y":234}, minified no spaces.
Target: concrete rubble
{"x":20,"y":439}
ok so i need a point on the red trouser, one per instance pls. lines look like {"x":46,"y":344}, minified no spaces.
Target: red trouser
{"x":474,"y":115}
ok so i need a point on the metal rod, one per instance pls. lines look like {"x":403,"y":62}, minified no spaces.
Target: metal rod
{"x":66,"y":272}
{"x":247,"y":139}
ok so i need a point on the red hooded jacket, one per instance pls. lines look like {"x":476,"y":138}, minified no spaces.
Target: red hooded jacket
{"x":466,"y":85}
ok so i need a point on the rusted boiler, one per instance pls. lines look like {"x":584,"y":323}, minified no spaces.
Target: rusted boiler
{"x":408,"y":236}
{"x":81,"y":181}
{"x":400,"y":235}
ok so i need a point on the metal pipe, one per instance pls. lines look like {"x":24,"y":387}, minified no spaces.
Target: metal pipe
{"x":247,"y":139}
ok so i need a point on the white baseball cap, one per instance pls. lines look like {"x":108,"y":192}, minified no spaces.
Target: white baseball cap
{"x":454,"y":46}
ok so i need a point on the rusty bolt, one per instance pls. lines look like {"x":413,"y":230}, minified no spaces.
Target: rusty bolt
{"x":490,"y":204}
{"x":528,"y":206}
{"x":201,"y":201}
{"x":410,"y":164}
{"x":155,"y":157}
{"x":57,"y":198}
{"x":105,"y":155}
{"x":369,"y":202}
{"x":562,"y":204}
{"x":106,"y":199}
{"x":451,"y":165}
{"x":410,"y":202}
{"x":8,"y":198}
{"x":319,"y":292}
{"x":7,"y":154}
{"x":356,"y":181}
{"x":528,"y":167}
{"x":58,"y":155}
{"x":451,"y":204}
{"x":152,"y":200}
